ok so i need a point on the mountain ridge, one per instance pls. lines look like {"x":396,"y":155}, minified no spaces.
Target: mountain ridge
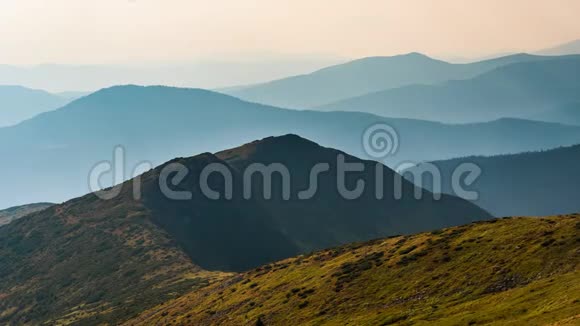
{"x":169,"y":122}
{"x":519,"y":89}
{"x":366,"y":75}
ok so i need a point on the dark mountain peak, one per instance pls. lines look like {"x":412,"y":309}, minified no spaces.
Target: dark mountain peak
{"x":286,"y":140}
{"x":271,"y":148}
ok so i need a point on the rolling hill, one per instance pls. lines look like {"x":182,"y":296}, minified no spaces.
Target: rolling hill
{"x":365,"y":76}
{"x":20,"y":103}
{"x":516,"y":90}
{"x":58,"y":149}
{"x":13,"y":213}
{"x":93,"y":261}
{"x":517,"y":271}
{"x":535,"y":184}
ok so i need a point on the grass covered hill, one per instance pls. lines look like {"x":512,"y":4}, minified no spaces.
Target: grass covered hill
{"x":511,"y":271}
{"x":89,"y":262}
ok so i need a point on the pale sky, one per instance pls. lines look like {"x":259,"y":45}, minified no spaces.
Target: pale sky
{"x":141,"y":31}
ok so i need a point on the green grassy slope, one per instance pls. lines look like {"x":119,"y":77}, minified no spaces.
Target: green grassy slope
{"x":515,"y":271}
{"x":89,"y":262}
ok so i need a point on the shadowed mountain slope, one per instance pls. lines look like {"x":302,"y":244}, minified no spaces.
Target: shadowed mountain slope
{"x":330,"y":218}
{"x":537,"y":183}
{"x":91,"y":260}
{"x":519,"y":90}
{"x":365,"y":76}
{"x":519,"y":271}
